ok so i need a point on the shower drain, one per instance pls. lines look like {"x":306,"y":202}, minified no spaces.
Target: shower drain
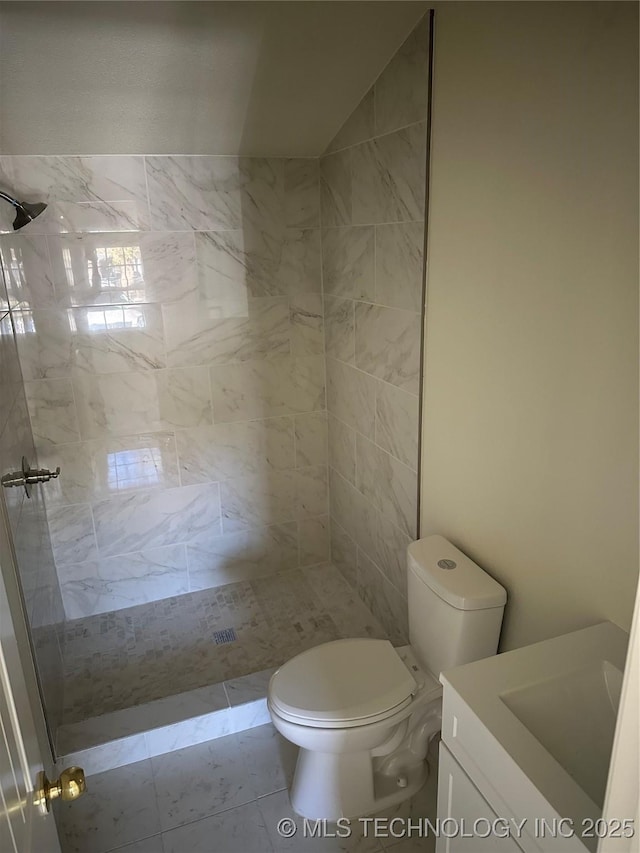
{"x":227,"y":635}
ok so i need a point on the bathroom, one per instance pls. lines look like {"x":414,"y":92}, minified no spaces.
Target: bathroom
{"x":314,"y":280}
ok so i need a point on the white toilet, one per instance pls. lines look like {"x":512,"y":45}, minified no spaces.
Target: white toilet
{"x":362,"y":712}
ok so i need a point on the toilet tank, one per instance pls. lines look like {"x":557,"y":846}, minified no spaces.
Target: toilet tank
{"x":455,"y":608}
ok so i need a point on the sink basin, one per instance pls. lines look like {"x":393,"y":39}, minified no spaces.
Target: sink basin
{"x":541,"y":719}
{"x":574,"y":717}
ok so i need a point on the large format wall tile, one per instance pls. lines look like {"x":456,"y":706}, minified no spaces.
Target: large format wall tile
{"x":388,"y":345}
{"x":28,"y":273}
{"x":397,"y":423}
{"x":342,"y":449}
{"x":242,"y":556}
{"x":152,"y":519}
{"x":228,"y":450}
{"x":359,"y":126}
{"x":72,"y":536}
{"x":348,"y":262}
{"x":302,"y":193}
{"x":335,"y":189}
{"x":399,"y":267}
{"x":52,"y":411}
{"x":261,"y":389}
{"x":339,"y":329}
{"x":401,"y":90}
{"x":311,"y":439}
{"x":99,"y":586}
{"x":384,"y":601}
{"x":388,"y":175}
{"x":351,"y":396}
{"x":388,"y":484}
{"x":194,"y":334}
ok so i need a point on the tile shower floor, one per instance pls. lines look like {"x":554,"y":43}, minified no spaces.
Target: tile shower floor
{"x":133,"y":656}
{"x":222,"y":796}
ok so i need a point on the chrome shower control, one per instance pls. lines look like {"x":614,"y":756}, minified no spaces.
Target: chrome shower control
{"x":28,"y":476}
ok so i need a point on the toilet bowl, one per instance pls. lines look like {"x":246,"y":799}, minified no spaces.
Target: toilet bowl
{"x":362,"y":712}
{"x":363,"y":739}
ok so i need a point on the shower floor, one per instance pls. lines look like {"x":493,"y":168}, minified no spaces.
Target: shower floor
{"x":133,"y":656}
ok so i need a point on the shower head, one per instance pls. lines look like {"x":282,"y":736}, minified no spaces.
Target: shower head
{"x":25,"y":211}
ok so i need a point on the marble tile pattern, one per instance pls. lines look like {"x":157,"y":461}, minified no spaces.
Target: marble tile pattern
{"x":372,"y":187}
{"x":131,"y":657}
{"x":231,"y":794}
{"x":170,"y":329}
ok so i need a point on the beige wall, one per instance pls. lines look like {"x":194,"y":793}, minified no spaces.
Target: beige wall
{"x":530,"y":433}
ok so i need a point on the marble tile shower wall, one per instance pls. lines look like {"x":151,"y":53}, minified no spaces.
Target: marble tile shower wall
{"x":372,"y":213}
{"x":169,"y":321}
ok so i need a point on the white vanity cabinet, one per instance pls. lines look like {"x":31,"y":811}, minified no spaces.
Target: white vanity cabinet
{"x":526,"y":740}
{"x":482,"y":830}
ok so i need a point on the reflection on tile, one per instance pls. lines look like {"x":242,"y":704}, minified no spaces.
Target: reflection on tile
{"x":399,"y":265}
{"x":307,"y":324}
{"x":133,"y":463}
{"x":72,"y":536}
{"x":358,"y":127}
{"x":311,"y":439}
{"x":239,"y":828}
{"x":302,"y":193}
{"x":248,"y":502}
{"x":27,"y":271}
{"x":388,"y":345}
{"x":342,"y":449}
{"x":53,"y":411}
{"x":315,"y":546}
{"x":351,"y":396}
{"x":184,"y":397}
{"x":200,"y":193}
{"x":152,"y":519}
{"x":339,"y":325}
{"x":348,"y":262}
{"x":114,"y":339}
{"x":260,"y":389}
{"x":99,"y":586}
{"x":241,"y":556}
{"x":221,"y":452}
{"x":383,"y":599}
{"x":195,"y":335}
{"x":401,"y":89}
{"x":45,"y":343}
{"x":389,"y":177}
{"x":397,"y":423}
{"x":119,"y":806}
{"x":388,"y":484}
{"x":335,"y":189}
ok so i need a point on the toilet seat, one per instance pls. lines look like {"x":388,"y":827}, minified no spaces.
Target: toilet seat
{"x":342,"y":684}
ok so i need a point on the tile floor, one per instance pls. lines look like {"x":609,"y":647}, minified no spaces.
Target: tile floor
{"x":223,"y":796}
{"x":129,"y":657}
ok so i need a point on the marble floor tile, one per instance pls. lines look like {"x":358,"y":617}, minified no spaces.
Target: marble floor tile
{"x":239,"y":830}
{"x":277,"y":806}
{"x":118,"y":807}
{"x":201,"y":780}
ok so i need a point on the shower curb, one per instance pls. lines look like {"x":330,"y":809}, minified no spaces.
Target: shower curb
{"x":103,"y":752}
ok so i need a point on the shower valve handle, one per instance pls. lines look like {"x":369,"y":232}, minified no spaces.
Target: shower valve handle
{"x":28,"y":476}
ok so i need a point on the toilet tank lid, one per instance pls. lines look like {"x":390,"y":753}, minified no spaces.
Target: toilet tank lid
{"x":465,"y":586}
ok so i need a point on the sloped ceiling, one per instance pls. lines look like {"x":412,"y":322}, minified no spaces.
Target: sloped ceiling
{"x":189,"y":77}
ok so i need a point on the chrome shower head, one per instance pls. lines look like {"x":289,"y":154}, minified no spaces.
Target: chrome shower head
{"x":25,"y":211}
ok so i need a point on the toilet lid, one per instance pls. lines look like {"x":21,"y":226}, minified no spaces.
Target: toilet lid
{"x":342,"y":681}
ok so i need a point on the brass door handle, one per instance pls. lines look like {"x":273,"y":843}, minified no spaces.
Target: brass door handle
{"x":69,"y":786}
